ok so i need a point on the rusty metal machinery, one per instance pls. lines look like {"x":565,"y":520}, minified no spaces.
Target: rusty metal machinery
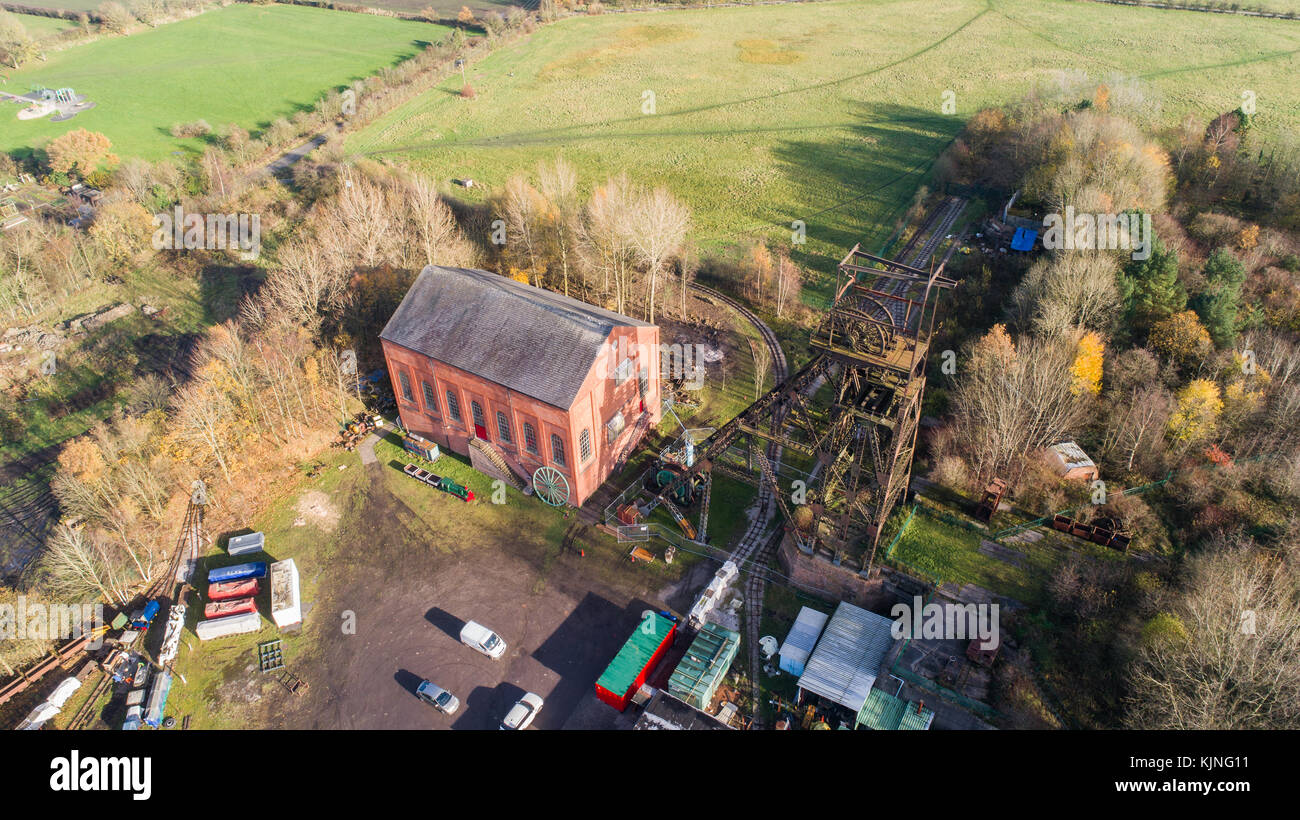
{"x":845,"y":423}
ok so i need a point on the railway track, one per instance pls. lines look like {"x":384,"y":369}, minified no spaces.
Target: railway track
{"x":83,"y":715}
{"x":757,"y":546}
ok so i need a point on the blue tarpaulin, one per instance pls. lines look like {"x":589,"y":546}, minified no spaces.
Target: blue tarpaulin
{"x":1023,"y":240}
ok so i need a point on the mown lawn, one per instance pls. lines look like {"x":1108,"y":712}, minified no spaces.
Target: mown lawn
{"x":829,"y":113}
{"x":246,"y":64}
{"x":946,"y":553}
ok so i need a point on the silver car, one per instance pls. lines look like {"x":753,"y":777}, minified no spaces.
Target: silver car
{"x":437,"y":697}
{"x":523,"y":712}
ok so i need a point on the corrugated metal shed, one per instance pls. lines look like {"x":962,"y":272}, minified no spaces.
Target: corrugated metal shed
{"x":704,"y":665}
{"x":885,"y":711}
{"x":801,"y":640}
{"x":531,"y":340}
{"x":844,"y":665}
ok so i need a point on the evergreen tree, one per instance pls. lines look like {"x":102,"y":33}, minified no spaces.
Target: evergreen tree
{"x":1219,"y":303}
{"x":1150,"y":291}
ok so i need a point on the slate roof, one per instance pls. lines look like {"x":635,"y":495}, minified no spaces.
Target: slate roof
{"x":532,"y":341}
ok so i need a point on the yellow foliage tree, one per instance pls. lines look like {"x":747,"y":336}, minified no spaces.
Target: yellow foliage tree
{"x":1182,"y":337}
{"x":123,"y":229}
{"x":1199,"y":406}
{"x":83,"y":460}
{"x":1088,"y":363}
{"x":81,"y":151}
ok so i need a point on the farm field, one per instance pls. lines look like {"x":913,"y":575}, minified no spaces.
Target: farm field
{"x":39,"y":26}
{"x":829,"y":113}
{"x":243,"y":64}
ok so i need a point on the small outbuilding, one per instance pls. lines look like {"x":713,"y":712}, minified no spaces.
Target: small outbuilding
{"x":846,"y":661}
{"x":667,"y":712}
{"x":705,"y":664}
{"x":1072,"y":462}
{"x":803,"y":637}
{"x":885,"y":711}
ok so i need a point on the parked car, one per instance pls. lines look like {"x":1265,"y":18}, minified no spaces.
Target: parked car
{"x":523,"y":712}
{"x":437,"y":697}
{"x":478,"y":636}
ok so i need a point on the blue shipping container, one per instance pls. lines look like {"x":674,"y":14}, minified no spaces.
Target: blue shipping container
{"x":157,"y":701}
{"x":238,"y":572}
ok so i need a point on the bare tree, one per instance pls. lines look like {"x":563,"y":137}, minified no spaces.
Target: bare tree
{"x":1229,"y":657}
{"x":1013,"y":398}
{"x":655,"y":231}
{"x":1137,"y":430}
{"x":559,"y":185}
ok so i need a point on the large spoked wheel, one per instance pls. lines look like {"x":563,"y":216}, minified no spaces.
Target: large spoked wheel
{"x":551,"y":486}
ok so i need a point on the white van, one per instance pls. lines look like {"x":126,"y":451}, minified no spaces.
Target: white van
{"x":478,"y":636}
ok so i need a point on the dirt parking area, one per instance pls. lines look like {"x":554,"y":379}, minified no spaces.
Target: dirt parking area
{"x":408,"y":601}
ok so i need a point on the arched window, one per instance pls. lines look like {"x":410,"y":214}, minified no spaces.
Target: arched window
{"x":557,"y":450}
{"x":530,"y":439}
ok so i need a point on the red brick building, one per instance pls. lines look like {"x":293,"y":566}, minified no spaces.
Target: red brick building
{"x":544,"y":379}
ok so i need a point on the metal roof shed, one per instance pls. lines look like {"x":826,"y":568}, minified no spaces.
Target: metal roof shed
{"x":705,"y":664}
{"x":885,"y":711}
{"x":801,"y":640}
{"x":844,"y":665}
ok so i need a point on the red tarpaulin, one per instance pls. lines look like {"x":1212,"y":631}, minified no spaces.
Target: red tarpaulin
{"x":220,"y":609}
{"x":233,"y":589}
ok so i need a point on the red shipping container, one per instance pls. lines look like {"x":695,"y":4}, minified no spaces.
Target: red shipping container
{"x":220,"y":609}
{"x":637,"y":659}
{"x":233,"y":589}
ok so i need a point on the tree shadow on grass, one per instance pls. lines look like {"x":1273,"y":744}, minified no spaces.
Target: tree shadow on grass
{"x":853,"y":185}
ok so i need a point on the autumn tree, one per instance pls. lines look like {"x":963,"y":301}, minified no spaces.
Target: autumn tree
{"x":114,"y":17}
{"x":16,"y":45}
{"x":1073,"y":289}
{"x":1199,"y":404}
{"x":1182,"y":338}
{"x":1015,"y":397}
{"x":1089,"y":361}
{"x":80,"y":151}
{"x":123,"y":229}
{"x":558,"y":183}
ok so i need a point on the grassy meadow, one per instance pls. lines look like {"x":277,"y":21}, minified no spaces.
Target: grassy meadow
{"x":245,"y":64}
{"x":829,"y":113}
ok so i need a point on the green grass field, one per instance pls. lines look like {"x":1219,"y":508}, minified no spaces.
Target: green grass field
{"x":39,"y":26}
{"x":243,"y":64}
{"x":829,"y":113}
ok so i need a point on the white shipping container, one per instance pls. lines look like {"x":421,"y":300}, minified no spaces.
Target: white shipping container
{"x":230,"y":625}
{"x":250,"y":542}
{"x":286,"y":598}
